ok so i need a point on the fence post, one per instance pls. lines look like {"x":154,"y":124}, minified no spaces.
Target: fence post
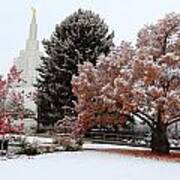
{"x":104,"y":137}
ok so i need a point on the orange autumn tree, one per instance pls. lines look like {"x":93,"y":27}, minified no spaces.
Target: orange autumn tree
{"x":143,"y":82}
{"x":157,"y":68}
{"x":101,"y":95}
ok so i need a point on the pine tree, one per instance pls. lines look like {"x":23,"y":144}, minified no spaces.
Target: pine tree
{"x":82,"y":36}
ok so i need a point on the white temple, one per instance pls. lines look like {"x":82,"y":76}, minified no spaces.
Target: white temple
{"x":29,"y":58}
{"x":27,"y":62}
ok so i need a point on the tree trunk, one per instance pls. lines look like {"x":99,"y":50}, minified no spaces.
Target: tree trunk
{"x":159,"y":141}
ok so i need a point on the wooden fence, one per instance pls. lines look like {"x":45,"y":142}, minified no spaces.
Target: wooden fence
{"x":121,"y":138}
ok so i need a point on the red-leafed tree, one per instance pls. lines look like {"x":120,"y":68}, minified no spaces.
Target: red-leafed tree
{"x":11,"y":104}
{"x":144,"y":82}
{"x":101,"y":97}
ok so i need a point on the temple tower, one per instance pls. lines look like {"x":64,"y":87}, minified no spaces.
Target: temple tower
{"x":27,"y":62}
{"x":29,"y":58}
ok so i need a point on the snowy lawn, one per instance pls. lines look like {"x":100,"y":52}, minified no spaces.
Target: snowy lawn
{"x":111,"y":146}
{"x":87,"y":165}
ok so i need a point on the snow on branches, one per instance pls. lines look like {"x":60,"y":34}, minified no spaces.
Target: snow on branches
{"x":10,"y":103}
{"x":157,"y":60}
{"x":102,"y":90}
{"x":143,"y":81}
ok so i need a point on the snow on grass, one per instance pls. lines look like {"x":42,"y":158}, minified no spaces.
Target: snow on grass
{"x":30,"y":139}
{"x":111,"y":146}
{"x":34,"y":139}
{"x":87,"y":165}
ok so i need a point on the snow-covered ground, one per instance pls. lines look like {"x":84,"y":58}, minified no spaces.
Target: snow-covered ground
{"x":87,"y":165}
{"x":111,"y":146}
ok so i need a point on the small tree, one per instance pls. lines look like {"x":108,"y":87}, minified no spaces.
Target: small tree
{"x":11,"y":106}
{"x":144,"y":83}
{"x":82,"y":36}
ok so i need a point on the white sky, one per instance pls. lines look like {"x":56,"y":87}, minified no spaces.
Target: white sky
{"x":125,"y":17}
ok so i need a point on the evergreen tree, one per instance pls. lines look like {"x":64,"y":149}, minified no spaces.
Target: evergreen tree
{"x":82,"y":36}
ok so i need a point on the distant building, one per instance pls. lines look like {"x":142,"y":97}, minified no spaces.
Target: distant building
{"x":27,"y":62}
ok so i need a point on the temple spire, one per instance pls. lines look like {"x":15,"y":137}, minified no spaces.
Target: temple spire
{"x":32,"y":42}
{"x":34,"y":12}
{"x":33,"y":26}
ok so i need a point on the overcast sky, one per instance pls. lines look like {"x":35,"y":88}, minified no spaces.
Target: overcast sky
{"x":125,"y":17}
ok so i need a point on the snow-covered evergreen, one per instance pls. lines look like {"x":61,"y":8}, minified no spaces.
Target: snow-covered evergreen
{"x":82,"y":36}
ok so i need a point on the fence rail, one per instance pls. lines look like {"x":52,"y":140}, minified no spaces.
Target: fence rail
{"x":134,"y":140}
{"x":119,"y":138}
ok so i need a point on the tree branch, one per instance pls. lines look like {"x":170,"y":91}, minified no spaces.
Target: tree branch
{"x":173,"y":121}
{"x":145,"y":120}
{"x":146,"y":115}
{"x":164,"y":46}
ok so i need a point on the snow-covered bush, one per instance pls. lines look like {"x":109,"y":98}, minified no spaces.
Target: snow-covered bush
{"x":32,"y":145}
{"x":29,"y":149}
{"x":71,"y":145}
{"x":68,"y":142}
